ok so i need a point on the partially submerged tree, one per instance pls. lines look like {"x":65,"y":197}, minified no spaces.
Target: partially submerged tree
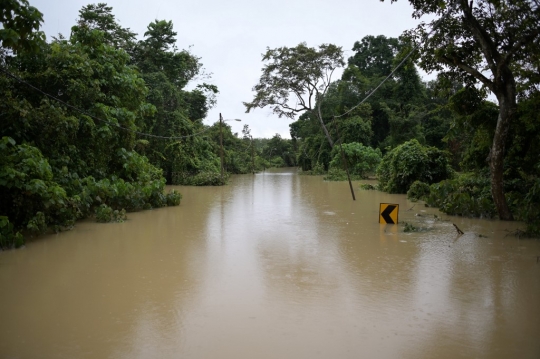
{"x":484,"y":41}
{"x":300,"y":73}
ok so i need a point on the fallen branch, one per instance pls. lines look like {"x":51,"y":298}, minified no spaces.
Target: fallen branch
{"x":460,"y":232}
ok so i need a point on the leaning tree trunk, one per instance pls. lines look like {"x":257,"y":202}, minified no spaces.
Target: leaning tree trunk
{"x":507,"y":110}
{"x":325,"y":130}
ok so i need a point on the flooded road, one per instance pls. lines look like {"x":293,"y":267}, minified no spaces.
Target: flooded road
{"x":274,"y":265}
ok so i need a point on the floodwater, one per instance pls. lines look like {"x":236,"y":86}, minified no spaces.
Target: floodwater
{"x":274,"y":265}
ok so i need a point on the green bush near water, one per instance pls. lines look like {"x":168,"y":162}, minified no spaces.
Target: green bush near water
{"x":466,"y":195}
{"x":106,"y":214}
{"x":317,"y":170}
{"x":368,"y":187}
{"x":528,"y":208}
{"x":418,"y":191}
{"x":173,"y":198}
{"x":205,"y":178}
{"x":8,"y":237}
{"x":469,"y":195}
{"x":36,"y":196}
{"x":362,"y":160}
{"x":411,"y":162}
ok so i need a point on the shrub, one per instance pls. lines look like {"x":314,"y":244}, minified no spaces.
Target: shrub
{"x":418,"y":190}
{"x":409,"y":227}
{"x":31,"y":199}
{"x":528,"y":209}
{"x":8,"y":238}
{"x":336,"y":174}
{"x":205,"y":178}
{"x":173,"y":198}
{"x":411,"y":162}
{"x":317,"y":170}
{"x":368,"y":187}
{"x":37,"y":196}
{"x":106,"y":214}
{"x":467,"y":195}
{"x":277,"y":162}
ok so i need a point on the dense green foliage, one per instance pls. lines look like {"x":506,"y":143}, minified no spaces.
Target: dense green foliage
{"x":77,"y":155}
{"x":20,"y":26}
{"x":121,"y":123}
{"x":418,"y":190}
{"x":466,"y":195}
{"x":491,"y":44}
{"x":410,"y":162}
{"x":362,"y":160}
{"x":425,"y":128}
{"x":9,"y":237}
{"x":179,"y":113}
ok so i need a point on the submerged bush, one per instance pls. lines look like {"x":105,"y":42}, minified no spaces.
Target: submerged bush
{"x":336,"y":174}
{"x":409,"y":227}
{"x":418,"y":191}
{"x":469,"y":195}
{"x":317,"y":170}
{"x":205,"y":178}
{"x":8,"y":237}
{"x":466,"y":195}
{"x":411,"y":162}
{"x":105,"y":214}
{"x":36,"y":196}
{"x":368,"y":186}
{"x":31,"y":199}
{"x":528,"y":208}
{"x":173,"y":198}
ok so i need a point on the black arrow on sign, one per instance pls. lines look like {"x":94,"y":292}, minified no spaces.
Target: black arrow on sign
{"x":386,"y":214}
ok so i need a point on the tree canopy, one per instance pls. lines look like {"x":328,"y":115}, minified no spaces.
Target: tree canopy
{"x":302,"y":73}
{"x":487,"y":42}
{"x":20,"y":26}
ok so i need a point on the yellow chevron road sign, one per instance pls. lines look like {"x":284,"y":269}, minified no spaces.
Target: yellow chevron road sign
{"x":388,"y":213}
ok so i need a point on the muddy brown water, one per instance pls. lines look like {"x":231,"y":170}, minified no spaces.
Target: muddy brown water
{"x":274,"y":265}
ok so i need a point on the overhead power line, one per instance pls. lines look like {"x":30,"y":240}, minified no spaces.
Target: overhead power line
{"x":415,"y":47}
{"x":94,"y":117}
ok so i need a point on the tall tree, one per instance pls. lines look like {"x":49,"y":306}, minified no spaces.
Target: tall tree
{"x":302,"y":73}
{"x":167,"y":71}
{"x":398,"y":103}
{"x":488,"y":42}
{"x":62,"y":158}
{"x":100,"y":17}
{"x":374,"y":55}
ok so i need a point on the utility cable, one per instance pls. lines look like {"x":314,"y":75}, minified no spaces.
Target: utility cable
{"x":94,"y":117}
{"x":415,"y":47}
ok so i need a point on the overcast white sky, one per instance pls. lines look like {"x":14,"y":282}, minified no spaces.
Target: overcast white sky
{"x":230,"y":36}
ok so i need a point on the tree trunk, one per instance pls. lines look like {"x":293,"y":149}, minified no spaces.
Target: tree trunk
{"x":326,"y":133}
{"x":507,"y":109}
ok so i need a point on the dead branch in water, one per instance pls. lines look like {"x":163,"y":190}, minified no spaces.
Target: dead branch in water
{"x":460,"y":232}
